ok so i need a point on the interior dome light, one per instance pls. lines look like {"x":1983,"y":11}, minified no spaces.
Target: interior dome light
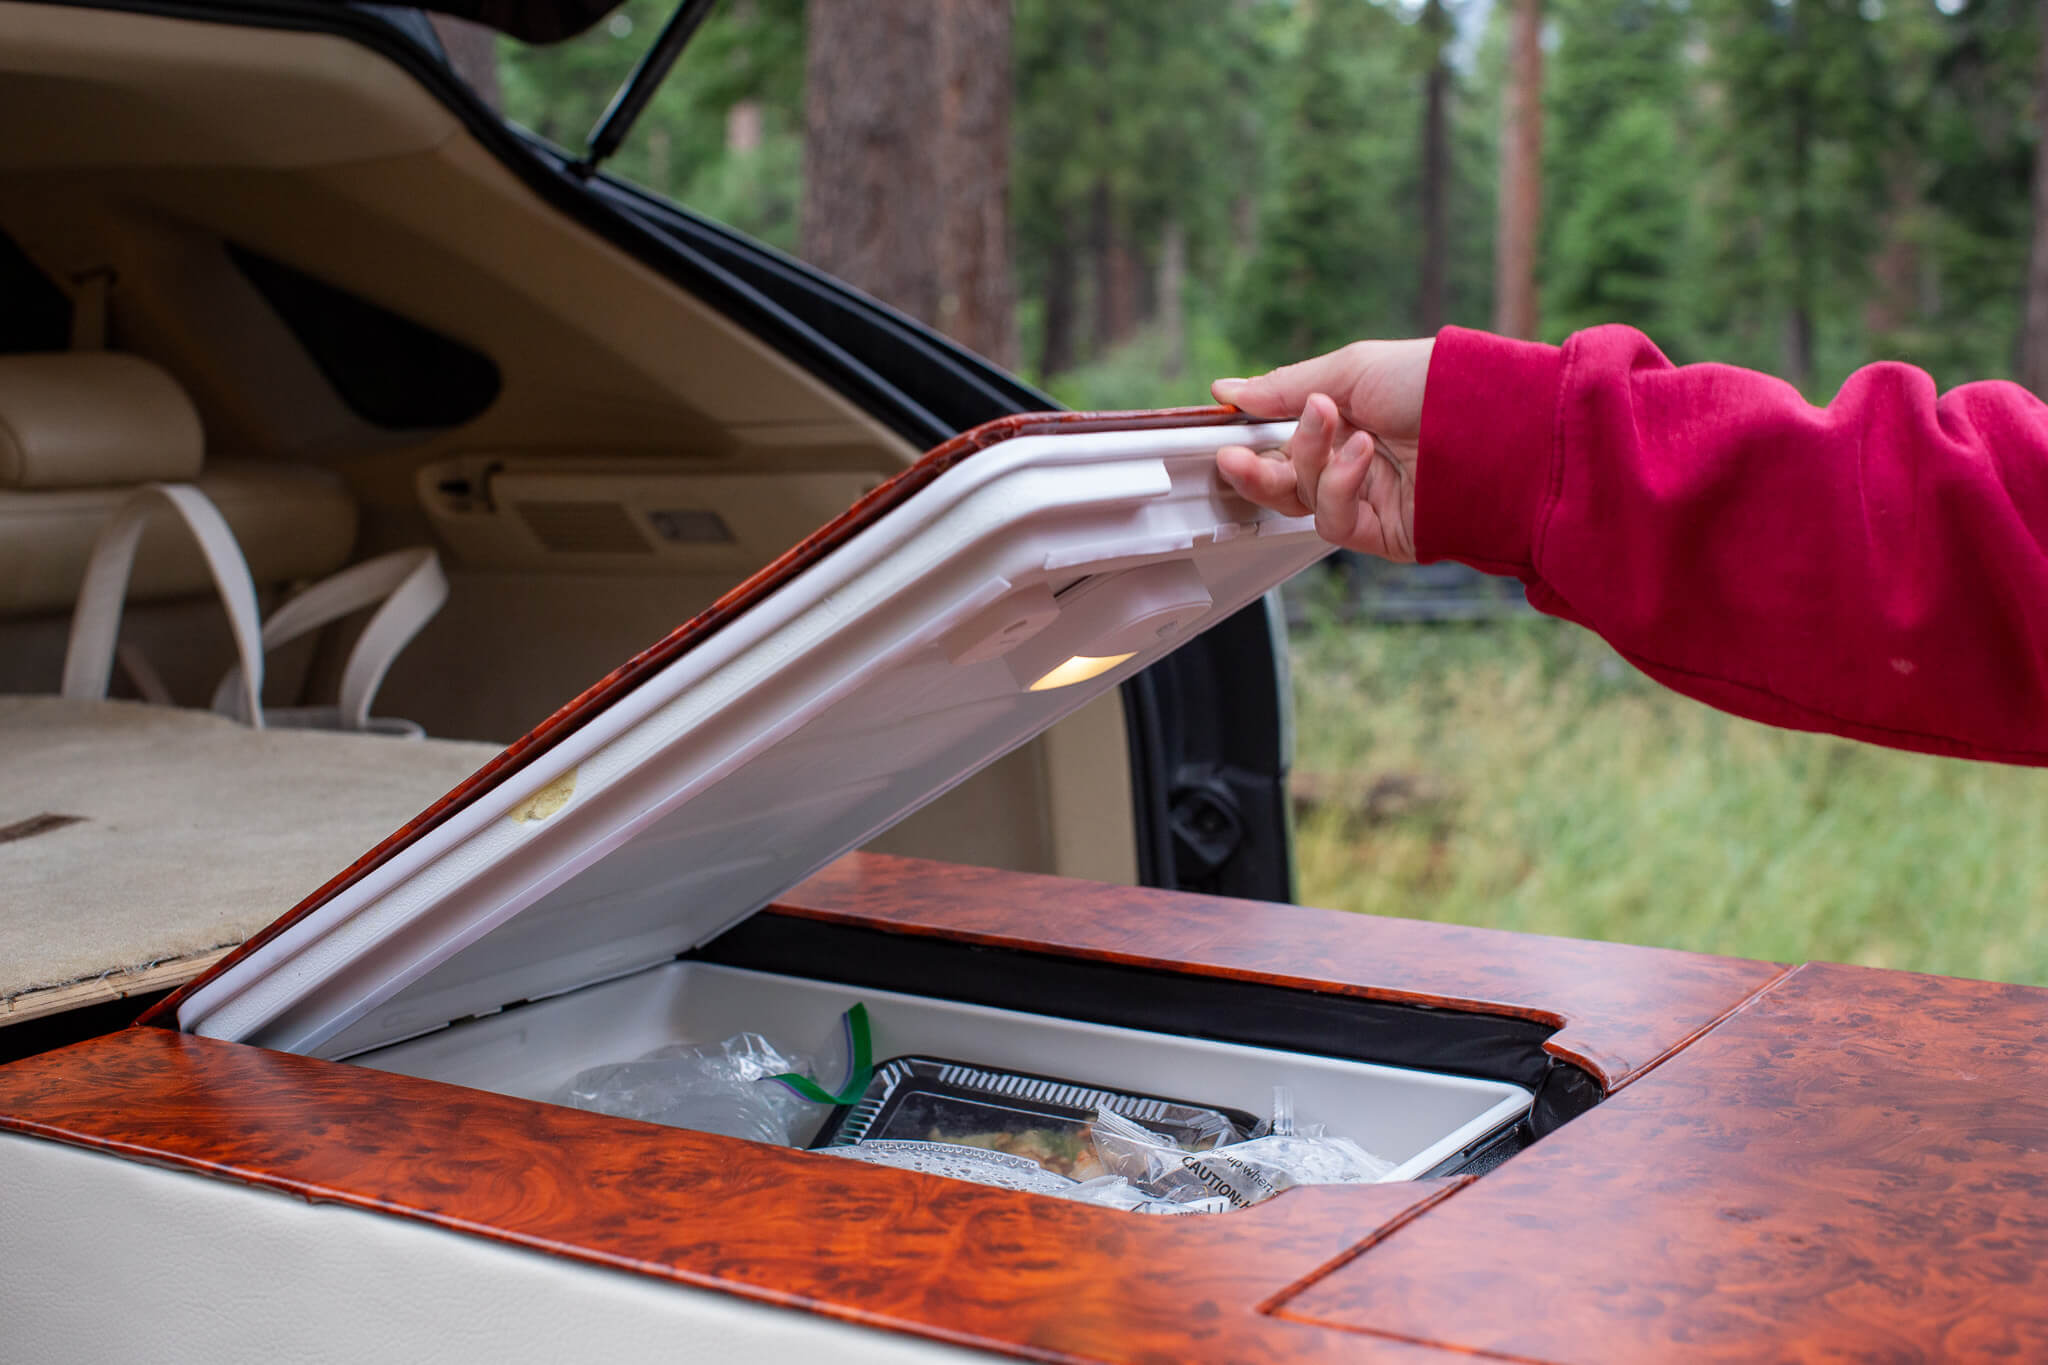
{"x":1108,"y":619}
{"x":1080,"y":668}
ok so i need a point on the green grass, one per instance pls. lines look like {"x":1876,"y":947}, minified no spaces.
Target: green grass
{"x":1519,"y":775}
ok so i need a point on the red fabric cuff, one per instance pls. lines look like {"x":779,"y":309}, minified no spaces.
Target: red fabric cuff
{"x":1489,"y":428}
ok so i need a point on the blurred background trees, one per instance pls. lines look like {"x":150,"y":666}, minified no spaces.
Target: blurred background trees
{"x":1122,"y":200}
{"x":1126,"y":198}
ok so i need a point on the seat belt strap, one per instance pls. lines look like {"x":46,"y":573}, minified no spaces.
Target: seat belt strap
{"x":96,"y":620}
{"x":411,"y":586}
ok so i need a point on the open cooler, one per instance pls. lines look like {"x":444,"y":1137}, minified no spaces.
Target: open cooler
{"x":558,"y":918}
{"x":1417,"y":1119}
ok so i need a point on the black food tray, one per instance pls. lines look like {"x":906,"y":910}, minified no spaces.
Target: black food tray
{"x":924,"y":1099}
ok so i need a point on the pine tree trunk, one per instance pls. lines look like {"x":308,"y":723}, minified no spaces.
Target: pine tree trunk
{"x":743,"y":128}
{"x":1896,"y":271}
{"x":1805,"y":247}
{"x":744,"y":119}
{"x":1521,"y":177}
{"x":1436,"y":175}
{"x":976,"y":298}
{"x":1244,"y":226}
{"x":1167,"y":291}
{"x":1125,"y":275}
{"x":906,"y":159}
{"x":871,"y":193}
{"x":1056,"y":347}
{"x":2034,"y":336}
{"x":1102,"y":330}
{"x":660,"y":159}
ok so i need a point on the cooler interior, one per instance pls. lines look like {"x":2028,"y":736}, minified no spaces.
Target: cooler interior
{"x":1416,"y":1119}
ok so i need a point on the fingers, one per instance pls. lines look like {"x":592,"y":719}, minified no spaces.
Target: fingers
{"x":1337,"y":499}
{"x":1285,"y":392}
{"x":1315,"y":437}
{"x":1289,"y":482}
{"x":1378,"y":385}
{"x":1260,"y":479}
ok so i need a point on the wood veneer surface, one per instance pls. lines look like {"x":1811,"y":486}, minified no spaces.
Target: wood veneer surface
{"x":1617,"y":1007}
{"x":1852,"y":1168}
{"x":1026,"y":1275}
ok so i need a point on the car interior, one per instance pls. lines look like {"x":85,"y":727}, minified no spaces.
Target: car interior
{"x":271,"y":266}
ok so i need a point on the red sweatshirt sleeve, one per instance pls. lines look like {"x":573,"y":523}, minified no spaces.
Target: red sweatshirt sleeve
{"x":1874,"y":569}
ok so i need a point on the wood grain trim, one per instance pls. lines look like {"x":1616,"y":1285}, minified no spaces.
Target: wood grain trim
{"x":1852,"y":1167}
{"x":609,"y":689}
{"x":1038,"y":1278}
{"x":1617,"y":1007}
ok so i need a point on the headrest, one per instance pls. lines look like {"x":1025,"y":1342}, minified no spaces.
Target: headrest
{"x":76,"y":419}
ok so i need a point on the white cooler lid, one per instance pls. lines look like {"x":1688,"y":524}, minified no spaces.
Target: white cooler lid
{"x":937,"y":637}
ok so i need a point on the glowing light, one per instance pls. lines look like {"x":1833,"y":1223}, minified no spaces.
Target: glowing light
{"x":1080,"y":668}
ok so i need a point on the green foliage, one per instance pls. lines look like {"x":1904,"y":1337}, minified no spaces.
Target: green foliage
{"x":1618,"y":169}
{"x":1716,"y":171}
{"x":1339,"y":244}
{"x":1328,"y":268}
{"x":749,"y":52}
{"x":1801,"y":120}
{"x":760,"y":193}
{"x":1976,"y":129}
{"x":1520,"y":775}
{"x":1137,"y":375}
{"x":1153,"y":111}
{"x":1616,"y":247}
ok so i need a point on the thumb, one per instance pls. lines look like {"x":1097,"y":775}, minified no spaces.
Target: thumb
{"x":1285,"y":392}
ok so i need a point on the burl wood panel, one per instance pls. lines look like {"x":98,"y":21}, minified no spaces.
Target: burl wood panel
{"x":1853,"y":1168}
{"x":1617,"y":1007}
{"x":607,"y":690}
{"x":1035,"y":1277}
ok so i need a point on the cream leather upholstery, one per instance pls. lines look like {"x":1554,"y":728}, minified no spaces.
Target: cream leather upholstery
{"x":79,"y":430}
{"x":83,"y":419}
{"x":290,"y":522}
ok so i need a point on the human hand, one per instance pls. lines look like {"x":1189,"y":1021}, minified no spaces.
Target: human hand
{"x":1351,"y":460}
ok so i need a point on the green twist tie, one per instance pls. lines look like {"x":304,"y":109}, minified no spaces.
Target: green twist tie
{"x":860,"y":1048}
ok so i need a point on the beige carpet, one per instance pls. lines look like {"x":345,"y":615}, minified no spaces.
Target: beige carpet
{"x":195,"y":832}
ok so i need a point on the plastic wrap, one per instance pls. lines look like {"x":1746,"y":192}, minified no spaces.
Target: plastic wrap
{"x":714,"y":1088}
{"x":1240,"y":1174}
{"x":980,"y":1165}
{"x":984,"y":1166}
{"x":1137,"y":1169}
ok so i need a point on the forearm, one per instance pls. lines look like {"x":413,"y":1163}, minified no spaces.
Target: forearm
{"x":1872,"y":569}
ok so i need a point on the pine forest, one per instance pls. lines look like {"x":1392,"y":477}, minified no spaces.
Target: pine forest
{"x":1120,"y":201}
{"x":1123,"y":201}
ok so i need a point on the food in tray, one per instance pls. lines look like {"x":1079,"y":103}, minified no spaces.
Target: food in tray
{"x":1062,"y":1151}
{"x":929,"y":1099}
